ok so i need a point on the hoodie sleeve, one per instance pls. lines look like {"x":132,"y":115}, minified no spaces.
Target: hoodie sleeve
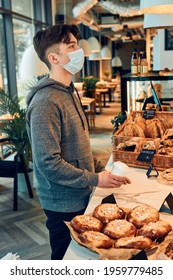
{"x":46,"y":138}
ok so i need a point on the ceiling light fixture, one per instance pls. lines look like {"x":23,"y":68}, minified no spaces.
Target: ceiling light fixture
{"x":31,"y":66}
{"x":156,"y":6}
{"x":116,"y":62}
{"x":95,"y":56}
{"x":158,"y":20}
{"x":85,"y":46}
{"x":94,"y":44}
{"x":106,"y":53}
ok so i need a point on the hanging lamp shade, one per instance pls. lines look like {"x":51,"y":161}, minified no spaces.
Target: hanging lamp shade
{"x":85,"y":46}
{"x":158,"y":20}
{"x":116,"y":62}
{"x":94,"y":44}
{"x":31,"y":66}
{"x":95,"y":56}
{"x":106,"y":53}
{"x":156,"y":6}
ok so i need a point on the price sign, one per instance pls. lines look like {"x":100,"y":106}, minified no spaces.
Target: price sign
{"x":146,"y":155}
{"x":148,"y":114}
{"x":152,"y":171}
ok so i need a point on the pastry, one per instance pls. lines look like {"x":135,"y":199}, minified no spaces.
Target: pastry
{"x":135,"y":142}
{"x":139,"y":120}
{"x":155,"y":230}
{"x":169,"y":250}
{"x":148,"y":145}
{"x":154,"y":128}
{"x":133,"y":129}
{"x":81,"y":223}
{"x":163,"y":150}
{"x":119,"y":228}
{"x":168,"y":174}
{"x":96,"y":239}
{"x":143,"y":214}
{"x":168,"y":134}
{"x":136,"y":242}
{"x":107,"y":212}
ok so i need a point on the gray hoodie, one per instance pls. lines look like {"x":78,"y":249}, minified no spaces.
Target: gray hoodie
{"x":62,"y":156}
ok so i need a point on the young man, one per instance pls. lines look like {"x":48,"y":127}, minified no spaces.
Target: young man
{"x":58,"y":132}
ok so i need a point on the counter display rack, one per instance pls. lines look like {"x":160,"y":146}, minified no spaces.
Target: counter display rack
{"x":131,"y":86}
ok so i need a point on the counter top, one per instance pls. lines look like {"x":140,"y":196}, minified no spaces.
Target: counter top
{"x":151,"y":76}
{"x":141,"y":190}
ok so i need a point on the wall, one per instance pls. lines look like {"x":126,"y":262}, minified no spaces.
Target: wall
{"x":125,"y":51}
{"x":161,"y":58}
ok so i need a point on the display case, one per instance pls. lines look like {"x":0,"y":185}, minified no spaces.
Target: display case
{"x":134,"y":89}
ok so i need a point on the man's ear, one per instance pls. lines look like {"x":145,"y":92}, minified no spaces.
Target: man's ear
{"x":53,"y":58}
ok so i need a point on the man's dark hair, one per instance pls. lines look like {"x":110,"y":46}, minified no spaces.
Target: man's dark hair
{"x":55,"y":34}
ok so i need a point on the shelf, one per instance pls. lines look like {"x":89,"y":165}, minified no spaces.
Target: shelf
{"x":128,"y":93}
{"x":152,"y":76}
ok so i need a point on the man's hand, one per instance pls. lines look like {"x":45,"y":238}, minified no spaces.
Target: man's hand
{"x":108,"y":180}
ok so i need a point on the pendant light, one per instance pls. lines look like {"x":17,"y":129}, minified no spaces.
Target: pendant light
{"x":85,"y":46}
{"x":106,"y":53}
{"x":31,"y":66}
{"x":158,"y":20}
{"x":95,"y":56}
{"x":94,"y":44}
{"x":156,"y":6}
{"x":116,"y":62}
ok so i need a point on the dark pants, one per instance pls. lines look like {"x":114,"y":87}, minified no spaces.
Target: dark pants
{"x":59,"y":233}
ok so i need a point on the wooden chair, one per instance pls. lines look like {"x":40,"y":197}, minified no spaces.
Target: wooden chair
{"x":90,"y":110}
{"x":11,"y":168}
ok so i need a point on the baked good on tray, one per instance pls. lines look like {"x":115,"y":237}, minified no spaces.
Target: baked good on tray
{"x":168,"y":174}
{"x":136,"y":242}
{"x":119,"y":228}
{"x":142,"y":214}
{"x":154,"y":128}
{"x":96,"y":239}
{"x":169,"y":250}
{"x":155,"y":230}
{"x":134,"y":229}
{"x":81,"y":223}
{"x":166,"y":177}
{"x":107,"y":212}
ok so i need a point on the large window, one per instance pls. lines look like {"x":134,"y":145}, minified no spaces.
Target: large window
{"x":23,"y":7}
{"x":18,"y":21}
{"x":23,"y":33}
{"x":3,"y":69}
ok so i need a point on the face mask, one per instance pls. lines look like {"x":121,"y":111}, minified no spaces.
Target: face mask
{"x":76,"y":61}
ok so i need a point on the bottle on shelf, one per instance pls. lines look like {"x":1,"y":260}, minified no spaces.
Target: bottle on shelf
{"x":144,"y":65}
{"x":134,"y":62}
{"x":139,"y":61}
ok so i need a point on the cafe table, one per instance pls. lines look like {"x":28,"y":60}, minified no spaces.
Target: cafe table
{"x":3,"y":119}
{"x":89,"y":105}
{"x":142,"y":190}
{"x":103,"y":91}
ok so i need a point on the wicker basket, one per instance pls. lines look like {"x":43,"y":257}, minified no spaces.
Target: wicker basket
{"x":161,"y":162}
{"x":165,"y":117}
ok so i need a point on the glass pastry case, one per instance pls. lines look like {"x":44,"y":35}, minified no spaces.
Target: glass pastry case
{"x":134,"y":90}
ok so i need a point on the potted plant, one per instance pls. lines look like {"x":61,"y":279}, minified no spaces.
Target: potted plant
{"x":15,"y":127}
{"x":89,"y":85}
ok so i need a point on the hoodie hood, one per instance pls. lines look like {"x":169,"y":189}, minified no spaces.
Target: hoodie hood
{"x":47,"y":82}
